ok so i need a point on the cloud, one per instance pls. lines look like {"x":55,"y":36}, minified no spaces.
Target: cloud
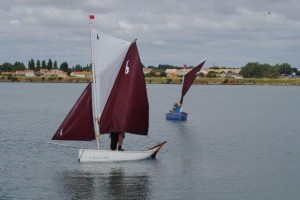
{"x":225,"y":33}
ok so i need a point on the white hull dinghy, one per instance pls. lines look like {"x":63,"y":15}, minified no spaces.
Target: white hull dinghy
{"x":116,"y":101}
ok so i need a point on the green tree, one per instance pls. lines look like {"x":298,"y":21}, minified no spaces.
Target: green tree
{"x":55,"y":65}
{"x":164,"y":67}
{"x":284,"y":68}
{"x":44,"y":64}
{"x":31,"y":64}
{"x":87,"y":68}
{"x":64,"y":67}
{"x":18,"y":66}
{"x":152,"y":73}
{"x":77,"y":68}
{"x":252,"y":70}
{"x":201,"y":74}
{"x":50,"y":64}
{"x":211,"y":74}
{"x":265,"y":70}
{"x":157,"y":73}
{"x":38,"y":65}
{"x":257,"y":70}
{"x":271,"y":72}
{"x":6,"y":67}
{"x":163,"y":74}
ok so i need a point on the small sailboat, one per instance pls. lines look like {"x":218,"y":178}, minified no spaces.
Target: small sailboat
{"x":188,"y":79}
{"x":116,"y":101}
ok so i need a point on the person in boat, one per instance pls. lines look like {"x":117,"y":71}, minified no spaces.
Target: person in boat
{"x":176,"y":107}
{"x":116,"y":139}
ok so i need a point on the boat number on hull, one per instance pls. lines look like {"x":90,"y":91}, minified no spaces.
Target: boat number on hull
{"x":98,"y":157}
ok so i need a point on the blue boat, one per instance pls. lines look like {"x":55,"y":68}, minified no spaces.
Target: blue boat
{"x":180,"y":116}
{"x":188,"y":79}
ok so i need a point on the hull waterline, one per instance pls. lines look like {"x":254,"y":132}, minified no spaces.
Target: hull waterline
{"x":96,"y":155}
{"x":179,"y":116}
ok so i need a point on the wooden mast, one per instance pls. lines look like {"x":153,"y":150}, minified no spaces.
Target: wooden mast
{"x":94,"y":96}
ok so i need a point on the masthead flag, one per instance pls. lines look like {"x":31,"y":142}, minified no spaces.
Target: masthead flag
{"x":92,"y":16}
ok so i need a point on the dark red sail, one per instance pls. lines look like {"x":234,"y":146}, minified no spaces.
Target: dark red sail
{"x":78,"y":125}
{"x":189,"y":79}
{"x":127,"y":108}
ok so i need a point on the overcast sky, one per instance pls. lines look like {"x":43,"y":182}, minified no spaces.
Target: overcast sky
{"x":227,"y":33}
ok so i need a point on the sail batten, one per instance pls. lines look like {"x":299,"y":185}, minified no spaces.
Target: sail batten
{"x":189,"y":79}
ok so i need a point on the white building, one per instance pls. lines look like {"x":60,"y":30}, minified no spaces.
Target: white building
{"x":29,"y":73}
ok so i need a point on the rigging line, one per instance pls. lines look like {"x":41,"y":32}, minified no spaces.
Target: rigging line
{"x":65,"y":145}
{"x":65,"y":152}
{"x":61,"y":150}
{"x":81,"y":155}
{"x":153,"y":139}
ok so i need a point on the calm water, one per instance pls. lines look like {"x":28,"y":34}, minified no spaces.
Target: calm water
{"x":239,"y":142}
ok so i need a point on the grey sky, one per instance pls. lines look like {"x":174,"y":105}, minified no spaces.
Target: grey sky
{"x":227,"y":33}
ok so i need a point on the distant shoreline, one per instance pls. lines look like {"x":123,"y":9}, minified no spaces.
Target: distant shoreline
{"x":229,"y":81}
{"x":164,"y":80}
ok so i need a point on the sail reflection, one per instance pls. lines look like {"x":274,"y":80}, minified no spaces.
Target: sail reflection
{"x":179,"y":126}
{"x":116,"y":183}
{"x":121,"y":186}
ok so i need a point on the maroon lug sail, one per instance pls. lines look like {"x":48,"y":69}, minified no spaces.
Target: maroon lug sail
{"x":189,"y":79}
{"x":78,"y":125}
{"x":127,"y":108}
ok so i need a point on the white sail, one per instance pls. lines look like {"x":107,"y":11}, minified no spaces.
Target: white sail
{"x":109,"y":54}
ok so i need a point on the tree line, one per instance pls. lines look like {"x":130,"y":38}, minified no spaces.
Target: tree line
{"x":42,"y":64}
{"x":258,"y":70}
{"x":250,"y":70}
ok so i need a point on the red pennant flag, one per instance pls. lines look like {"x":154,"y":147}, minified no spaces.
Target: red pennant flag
{"x":92,"y":16}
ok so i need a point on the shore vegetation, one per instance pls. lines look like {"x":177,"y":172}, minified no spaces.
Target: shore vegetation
{"x":253,"y":73}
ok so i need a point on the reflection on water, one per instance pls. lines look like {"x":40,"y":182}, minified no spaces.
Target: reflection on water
{"x":77,"y":184}
{"x":92,"y":182}
{"x":179,"y":127}
{"x":121,"y":186}
{"x":239,"y":142}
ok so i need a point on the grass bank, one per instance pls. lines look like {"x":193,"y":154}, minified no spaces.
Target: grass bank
{"x":163,"y":80}
{"x":227,"y":81}
{"x":48,"y":79}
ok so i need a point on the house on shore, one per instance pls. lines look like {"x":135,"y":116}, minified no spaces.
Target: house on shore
{"x":81,"y":74}
{"x":230,"y":75}
{"x":26,"y":73}
{"x":171,"y":72}
{"x":182,"y":72}
{"x":222,"y":72}
{"x":147,"y":70}
{"x":52,"y":72}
